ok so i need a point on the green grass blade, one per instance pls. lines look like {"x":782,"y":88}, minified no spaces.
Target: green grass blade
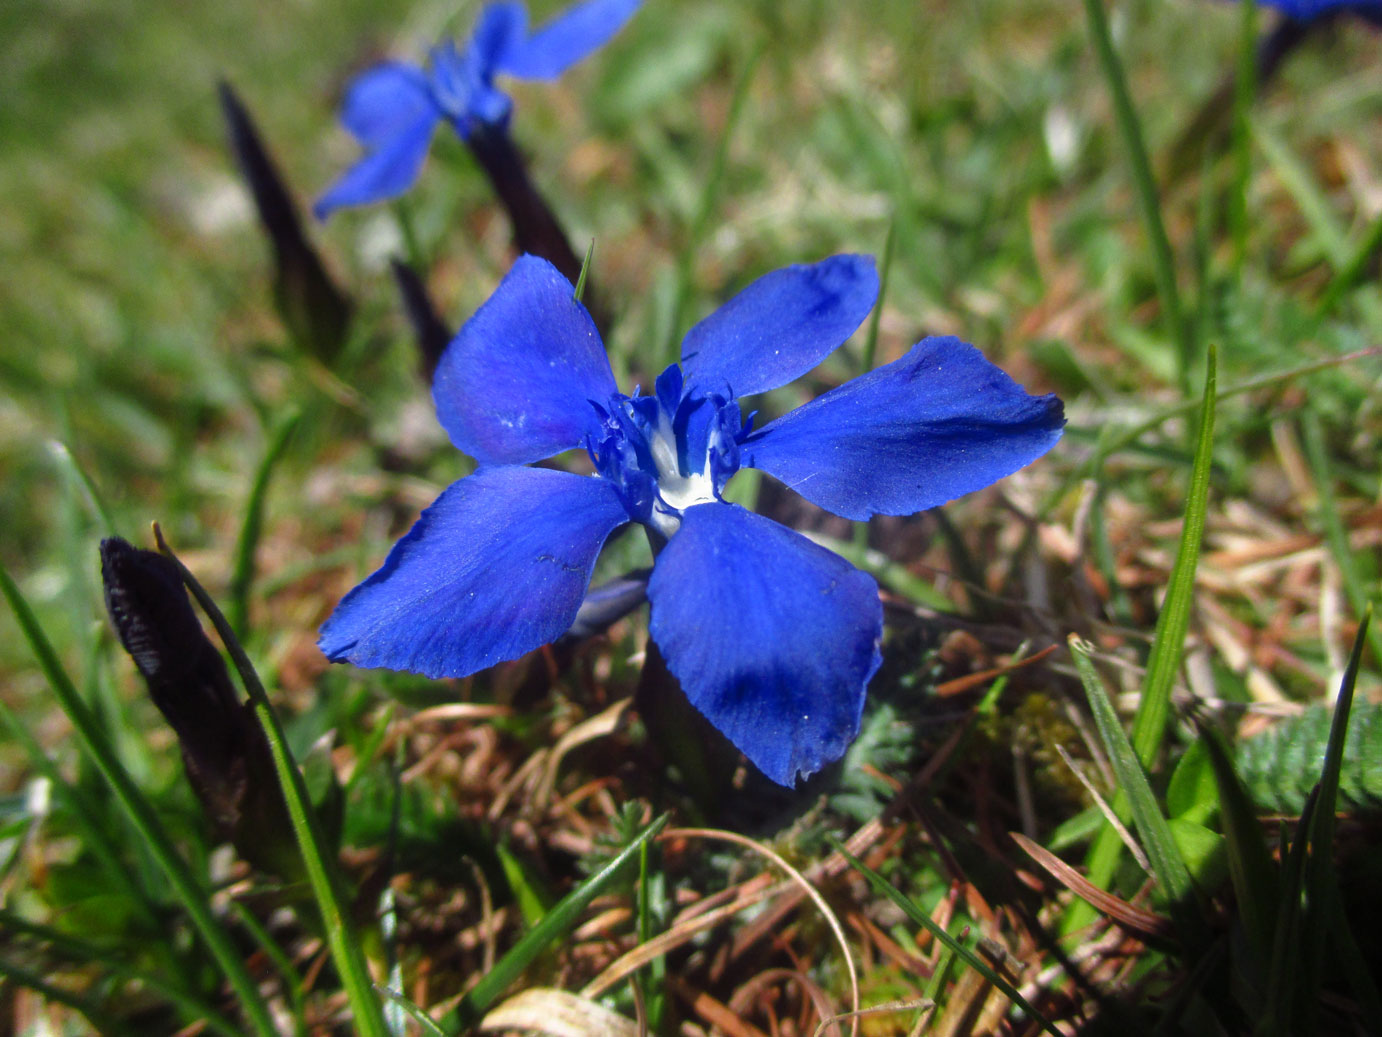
{"x":1320,"y":881}
{"x":101,"y":1021}
{"x":1283,"y":975}
{"x":189,"y":893}
{"x":1353,"y":269}
{"x":1130,"y":128}
{"x":1167,"y":864}
{"x":705,"y":207}
{"x":78,"y":475}
{"x":555,"y":924}
{"x":424,"y":1021}
{"x":1310,"y":200}
{"x":321,"y":874}
{"x":585,"y":269}
{"x":884,"y":270}
{"x":1244,"y":87}
{"x":1356,"y":580}
{"x":287,"y":971}
{"x":1149,"y":725}
{"x":1250,"y":865}
{"x":85,"y":815}
{"x":921,"y":918}
{"x":194,"y":1009}
{"x":242,"y":578}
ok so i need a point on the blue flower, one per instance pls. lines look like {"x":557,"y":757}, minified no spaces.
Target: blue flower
{"x":394,"y":107}
{"x":772,"y":637}
{"x":1308,"y":10}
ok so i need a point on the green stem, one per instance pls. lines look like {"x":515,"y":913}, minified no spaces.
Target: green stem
{"x":341,"y":941}
{"x":141,"y":814}
{"x":243,"y":577}
{"x":1244,"y":87}
{"x":1131,"y":130}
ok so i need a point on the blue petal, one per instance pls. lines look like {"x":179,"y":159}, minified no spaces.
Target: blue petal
{"x":496,"y":567}
{"x":498,"y":33}
{"x":515,"y":384}
{"x":567,"y":38}
{"x":936,"y":424}
{"x":392,"y":113}
{"x":384,"y":100}
{"x":779,"y":327}
{"x":1305,"y":10}
{"x":773,"y":638}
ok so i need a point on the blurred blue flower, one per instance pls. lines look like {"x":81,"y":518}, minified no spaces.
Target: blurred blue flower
{"x":394,"y":107}
{"x":1308,"y":10}
{"x":773,"y":638}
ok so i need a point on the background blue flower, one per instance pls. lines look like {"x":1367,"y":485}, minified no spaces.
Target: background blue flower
{"x":772,"y":637}
{"x":1305,"y":10}
{"x":393,"y":108}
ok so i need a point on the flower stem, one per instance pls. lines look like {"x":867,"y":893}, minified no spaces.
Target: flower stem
{"x":341,"y":940}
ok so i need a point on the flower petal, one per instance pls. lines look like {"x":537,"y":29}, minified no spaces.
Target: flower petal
{"x":383,"y":100}
{"x":496,"y":567}
{"x":773,"y":638}
{"x":779,"y":327}
{"x":390,"y":110}
{"x":567,"y":38}
{"x":498,"y":33}
{"x":514,"y":385}
{"x":936,"y":424}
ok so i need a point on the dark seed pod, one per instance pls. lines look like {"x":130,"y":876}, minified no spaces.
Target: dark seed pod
{"x":223,"y":747}
{"x":315,"y":312}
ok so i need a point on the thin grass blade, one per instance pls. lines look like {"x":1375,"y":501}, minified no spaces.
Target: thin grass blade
{"x":1167,"y":864}
{"x":194,"y":899}
{"x":1250,"y":868}
{"x":193,"y":1008}
{"x":321,"y":873}
{"x":921,"y":918}
{"x":884,"y":270}
{"x":242,"y":579}
{"x":1149,"y":724}
{"x":1310,"y":200}
{"x":557,"y":922}
{"x":1351,"y":566}
{"x":1321,"y":883}
{"x":1130,"y":129}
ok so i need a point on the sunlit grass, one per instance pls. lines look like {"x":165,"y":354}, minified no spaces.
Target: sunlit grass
{"x":145,"y":376}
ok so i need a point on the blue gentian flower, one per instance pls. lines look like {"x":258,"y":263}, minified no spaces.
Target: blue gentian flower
{"x":1306,"y":10}
{"x":394,"y":107}
{"x":773,"y":638}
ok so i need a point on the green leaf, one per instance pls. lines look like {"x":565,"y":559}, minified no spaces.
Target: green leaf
{"x":1130,"y":129}
{"x":1203,"y":850}
{"x":251,"y":527}
{"x":554,"y":925}
{"x":367,"y":1013}
{"x":1320,"y":882}
{"x":1154,"y":707}
{"x":1192,"y":794}
{"x":1250,"y":867}
{"x":1168,"y":867}
{"x":194,"y":899}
